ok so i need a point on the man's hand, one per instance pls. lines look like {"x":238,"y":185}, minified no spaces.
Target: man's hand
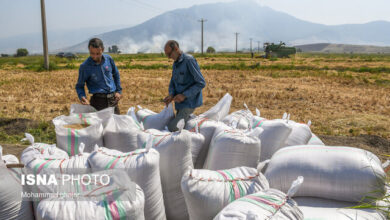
{"x":168,"y":99}
{"x":84,"y":101}
{"x":179,"y":98}
{"x":118,"y":96}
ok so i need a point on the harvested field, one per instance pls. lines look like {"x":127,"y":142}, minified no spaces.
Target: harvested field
{"x":345,"y":96}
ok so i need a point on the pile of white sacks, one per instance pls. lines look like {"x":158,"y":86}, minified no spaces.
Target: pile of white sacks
{"x":216,"y":166}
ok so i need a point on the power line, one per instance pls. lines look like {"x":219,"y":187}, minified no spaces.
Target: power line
{"x":202,"y":21}
{"x":258,"y":47}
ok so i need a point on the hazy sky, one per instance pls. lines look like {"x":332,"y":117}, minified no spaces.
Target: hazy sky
{"x":23,"y":16}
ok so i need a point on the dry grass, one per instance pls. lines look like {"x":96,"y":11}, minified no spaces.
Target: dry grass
{"x":337,"y":102}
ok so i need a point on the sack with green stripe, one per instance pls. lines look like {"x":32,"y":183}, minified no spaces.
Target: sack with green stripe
{"x":40,"y":149}
{"x":175,"y":158}
{"x":206,"y":127}
{"x":86,"y":111}
{"x":151,"y":119}
{"x":142,"y":166}
{"x":207,"y":192}
{"x":119,"y":199}
{"x":266,"y":204}
{"x":68,"y":139}
{"x":231,"y":148}
{"x":339,"y":173}
{"x":11,"y":204}
{"x":273,"y":137}
{"x":75,"y":164}
{"x":121,"y":133}
{"x":242,"y":118}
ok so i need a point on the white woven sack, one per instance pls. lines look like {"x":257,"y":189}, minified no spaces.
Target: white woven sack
{"x":220,"y":110}
{"x":121,"y":133}
{"x":266,"y":204}
{"x":175,"y":158}
{"x":10,"y":159}
{"x":75,"y":164}
{"x":207,"y":192}
{"x":86,"y":111}
{"x":151,"y":119}
{"x":206,"y":127}
{"x":317,"y":208}
{"x":37,"y":149}
{"x":300,"y":133}
{"x":233,"y":148}
{"x":80,"y":108}
{"x":142,"y":166}
{"x":243,"y":118}
{"x":68,"y":139}
{"x":339,"y":173}
{"x":273,"y":137}
{"x":315,"y":140}
{"x":120,"y":199}
{"x":11,"y":204}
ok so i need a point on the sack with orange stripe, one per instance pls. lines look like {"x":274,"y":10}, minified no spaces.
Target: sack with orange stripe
{"x":121,"y":133}
{"x":151,"y":119}
{"x":243,"y":118}
{"x":86,"y":111}
{"x":40,"y":149}
{"x":339,"y":173}
{"x":175,"y":158}
{"x":142,"y":166}
{"x":274,"y":135}
{"x":206,"y":127}
{"x":119,"y":199}
{"x":220,"y":110}
{"x":207,"y":192}
{"x":72,"y":130}
{"x":231,"y":148}
{"x":267,"y":204}
{"x":11,"y":204}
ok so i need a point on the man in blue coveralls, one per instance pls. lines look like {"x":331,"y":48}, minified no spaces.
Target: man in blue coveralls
{"x":102,"y":78}
{"x":186,"y":85}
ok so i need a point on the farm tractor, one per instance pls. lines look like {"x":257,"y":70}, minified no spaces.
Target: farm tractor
{"x":278,"y":50}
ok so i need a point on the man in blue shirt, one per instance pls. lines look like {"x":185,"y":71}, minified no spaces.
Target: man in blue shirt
{"x":102,"y":78}
{"x":186,"y":85}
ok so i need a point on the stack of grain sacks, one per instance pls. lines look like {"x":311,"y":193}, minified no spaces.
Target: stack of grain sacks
{"x":217,"y":165}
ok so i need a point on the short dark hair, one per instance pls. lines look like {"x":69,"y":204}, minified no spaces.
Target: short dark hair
{"x":96,"y":43}
{"x":172,"y":44}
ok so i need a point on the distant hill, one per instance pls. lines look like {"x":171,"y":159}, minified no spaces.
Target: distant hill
{"x":246,"y":17}
{"x":56,"y":39}
{"x":342,"y":48}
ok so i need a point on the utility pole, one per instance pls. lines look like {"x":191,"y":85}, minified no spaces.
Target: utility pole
{"x":236,"y":39}
{"x":44,"y":35}
{"x":258,"y":47}
{"x":202,"y":21}
{"x":251,"y":44}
